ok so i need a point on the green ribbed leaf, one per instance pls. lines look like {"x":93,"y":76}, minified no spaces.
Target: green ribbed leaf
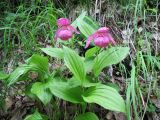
{"x":41,"y":90}
{"x":106,"y":97}
{"x":85,"y":24}
{"x":36,"y":116}
{"x":66,"y":91}
{"x":17,"y":73}
{"x":87,"y":116}
{"x":54,"y":52}
{"x":109,"y":57}
{"x":75,"y":64}
{"x":39,"y":62}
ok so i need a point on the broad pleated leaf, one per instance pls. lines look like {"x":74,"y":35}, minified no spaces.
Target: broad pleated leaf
{"x":36,"y":116}
{"x":87,"y":116}
{"x":38,"y":62}
{"x":81,"y":16}
{"x":89,"y":62}
{"x":66,"y":91}
{"x":54,"y":52}
{"x":109,"y":57}
{"x":85,"y":24}
{"x":87,"y":83}
{"x":91,"y":52}
{"x":75,"y":64}
{"x":34,"y":63}
{"x":41,"y":90}
{"x":17,"y":73}
{"x":106,"y":97}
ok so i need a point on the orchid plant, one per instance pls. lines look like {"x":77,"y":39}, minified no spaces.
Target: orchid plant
{"x":84,"y":87}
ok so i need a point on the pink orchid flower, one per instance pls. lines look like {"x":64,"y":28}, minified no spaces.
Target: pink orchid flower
{"x":65,"y":30}
{"x":101,"y":38}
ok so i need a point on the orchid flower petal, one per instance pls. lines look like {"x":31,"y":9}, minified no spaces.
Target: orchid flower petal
{"x":101,"y":41}
{"x":65,"y":34}
{"x":103,"y":30}
{"x":111,"y":39}
{"x":90,"y":38}
{"x":56,"y":35}
{"x":73,"y":29}
{"x":63,"y":22}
